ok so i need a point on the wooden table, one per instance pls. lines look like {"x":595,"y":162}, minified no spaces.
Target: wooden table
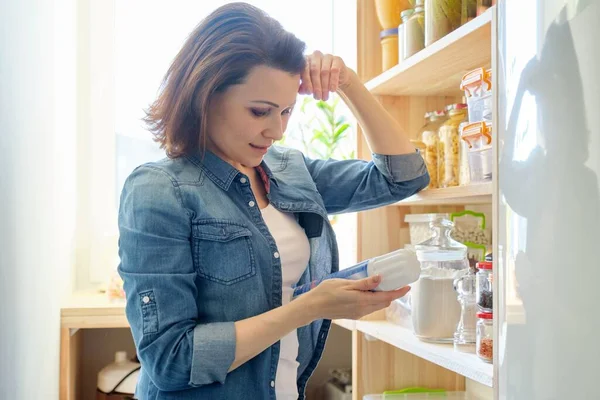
{"x":83,"y":311}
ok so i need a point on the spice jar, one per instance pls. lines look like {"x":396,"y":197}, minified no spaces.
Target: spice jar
{"x":405,"y":17}
{"x":443,"y":16}
{"x":430,"y":137}
{"x":485,"y":337}
{"x":414,"y":34}
{"x":485,"y":293}
{"x":448,"y":147}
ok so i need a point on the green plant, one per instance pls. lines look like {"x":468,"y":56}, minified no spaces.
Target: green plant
{"x":323,"y":129}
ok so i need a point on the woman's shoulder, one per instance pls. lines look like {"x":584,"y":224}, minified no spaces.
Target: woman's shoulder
{"x":173,"y":171}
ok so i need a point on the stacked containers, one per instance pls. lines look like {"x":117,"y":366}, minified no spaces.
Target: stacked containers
{"x":477,"y":85}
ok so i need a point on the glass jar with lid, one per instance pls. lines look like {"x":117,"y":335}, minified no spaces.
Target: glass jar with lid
{"x":443,"y":16}
{"x":484,"y":346}
{"x":485,"y":293}
{"x":449,"y":145}
{"x":414,"y":34}
{"x":429,"y":136}
{"x":435,"y":308}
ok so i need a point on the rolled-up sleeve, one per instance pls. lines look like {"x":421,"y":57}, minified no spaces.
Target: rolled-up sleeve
{"x":357,"y":185}
{"x":159,"y":280}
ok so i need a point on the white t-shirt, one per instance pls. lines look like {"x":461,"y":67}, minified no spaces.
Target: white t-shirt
{"x":294,"y":253}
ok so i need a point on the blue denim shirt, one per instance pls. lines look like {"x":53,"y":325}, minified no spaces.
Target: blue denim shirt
{"x":196,"y":256}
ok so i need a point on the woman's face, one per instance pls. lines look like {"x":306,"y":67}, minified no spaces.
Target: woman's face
{"x":246,"y":119}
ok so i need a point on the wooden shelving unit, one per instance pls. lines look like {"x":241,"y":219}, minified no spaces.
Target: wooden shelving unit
{"x":387,"y":356}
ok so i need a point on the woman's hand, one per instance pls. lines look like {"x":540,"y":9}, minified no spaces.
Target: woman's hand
{"x":325,"y":73}
{"x":342,"y":298}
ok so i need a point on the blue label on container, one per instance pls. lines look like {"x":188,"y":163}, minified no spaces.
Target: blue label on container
{"x":358,"y":271}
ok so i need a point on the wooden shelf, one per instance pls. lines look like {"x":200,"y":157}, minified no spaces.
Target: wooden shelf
{"x":438,"y":69}
{"x":467,"y":365}
{"x":92,"y":310}
{"x":345,"y":323}
{"x":472,"y":194}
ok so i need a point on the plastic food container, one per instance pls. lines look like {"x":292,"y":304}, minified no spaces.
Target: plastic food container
{"x":477,"y":85}
{"x":479,"y":138}
{"x":389,"y":48}
{"x":419,"y":226}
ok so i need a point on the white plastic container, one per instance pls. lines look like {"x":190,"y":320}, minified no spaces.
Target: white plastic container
{"x":477,"y":85}
{"x":419,"y":226}
{"x":121,"y":376}
{"x":479,"y":138}
{"x":397,"y":269}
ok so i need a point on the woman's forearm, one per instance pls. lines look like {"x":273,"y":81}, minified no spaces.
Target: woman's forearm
{"x":384,"y":135}
{"x":255,"y":334}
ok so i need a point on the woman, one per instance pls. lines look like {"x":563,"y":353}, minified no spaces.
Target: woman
{"x":214,"y":237}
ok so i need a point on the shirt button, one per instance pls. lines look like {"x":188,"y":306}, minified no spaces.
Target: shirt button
{"x":146,"y":299}
{"x":243,"y":180}
{"x":272,"y":384}
{"x":276,"y":255}
{"x":252,"y":204}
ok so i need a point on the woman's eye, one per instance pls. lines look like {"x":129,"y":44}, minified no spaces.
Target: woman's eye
{"x":257,"y":112}
{"x":287,"y":111}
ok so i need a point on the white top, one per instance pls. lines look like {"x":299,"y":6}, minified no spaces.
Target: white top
{"x":294,"y":251}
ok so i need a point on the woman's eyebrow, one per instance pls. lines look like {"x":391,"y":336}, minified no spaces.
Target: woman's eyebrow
{"x":266,"y":102}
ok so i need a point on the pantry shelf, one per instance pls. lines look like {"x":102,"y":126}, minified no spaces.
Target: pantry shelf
{"x":438,"y":69}
{"x":471,"y":194}
{"x":467,"y":365}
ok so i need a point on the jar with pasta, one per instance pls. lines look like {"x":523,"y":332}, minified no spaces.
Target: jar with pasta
{"x":441,"y":18}
{"x":449,"y":146}
{"x":430,"y":138}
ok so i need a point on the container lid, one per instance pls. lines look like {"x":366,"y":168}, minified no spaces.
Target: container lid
{"x":388,"y":32}
{"x":407,"y":13}
{"x":419,"y":144}
{"x":484,"y":265}
{"x":457,"y":106}
{"x":424,"y":218}
{"x":441,"y":247}
{"x":476,"y":77}
{"x":473,"y":131}
{"x":485,"y":315}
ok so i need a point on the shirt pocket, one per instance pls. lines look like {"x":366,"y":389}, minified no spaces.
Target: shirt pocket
{"x":223,"y":251}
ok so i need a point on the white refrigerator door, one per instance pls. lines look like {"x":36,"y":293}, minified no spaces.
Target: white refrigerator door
{"x":548,"y":272}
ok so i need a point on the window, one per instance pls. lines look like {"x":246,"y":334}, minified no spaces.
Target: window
{"x":132,"y":43}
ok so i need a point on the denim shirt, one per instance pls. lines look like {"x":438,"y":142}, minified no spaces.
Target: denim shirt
{"x":196,"y":256}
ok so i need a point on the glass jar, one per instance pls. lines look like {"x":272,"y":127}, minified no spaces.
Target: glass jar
{"x":429,"y":136}
{"x":468,"y":11}
{"x":448,"y":146}
{"x":465,"y":337}
{"x":484,"y":346}
{"x":435,"y":308}
{"x":405,"y":16}
{"x":443,"y":16}
{"x":485,"y":292}
{"x":414,"y":34}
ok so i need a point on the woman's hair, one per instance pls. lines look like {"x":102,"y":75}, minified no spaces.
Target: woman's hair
{"x":219,"y":53}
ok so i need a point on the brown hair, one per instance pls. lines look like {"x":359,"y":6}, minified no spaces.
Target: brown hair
{"x":220,"y":52}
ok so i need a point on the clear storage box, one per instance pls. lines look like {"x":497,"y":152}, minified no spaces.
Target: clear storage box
{"x":419,"y":226}
{"x":477,"y":85}
{"x":479,"y":138}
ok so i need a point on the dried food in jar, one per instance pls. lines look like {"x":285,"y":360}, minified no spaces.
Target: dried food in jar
{"x":414,"y":33}
{"x":448,"y":146}
{"x":443,"y":16}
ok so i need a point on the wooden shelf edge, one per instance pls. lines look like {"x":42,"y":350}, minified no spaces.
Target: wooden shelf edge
{"x":378,"y":84}
{"x":472,"y":194}
{"x":467,"y":365}
{"x":345,"y":323}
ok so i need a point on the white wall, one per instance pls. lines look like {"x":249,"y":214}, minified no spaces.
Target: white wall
{"x":37,"y":190}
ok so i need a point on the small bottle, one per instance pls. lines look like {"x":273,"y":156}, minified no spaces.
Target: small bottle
{"x":485,"y":293}
{"x":485,"y":337}
{"x":397,"y":269}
